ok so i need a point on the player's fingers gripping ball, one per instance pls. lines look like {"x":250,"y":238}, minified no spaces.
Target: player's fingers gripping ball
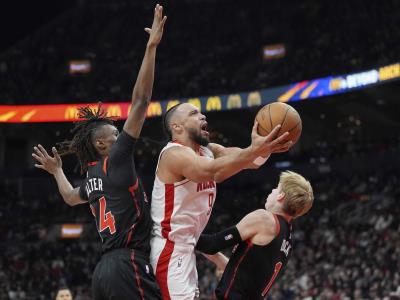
{"x":277,"y":113}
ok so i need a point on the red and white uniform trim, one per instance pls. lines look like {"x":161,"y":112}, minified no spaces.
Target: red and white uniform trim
{"x":180,"y":212}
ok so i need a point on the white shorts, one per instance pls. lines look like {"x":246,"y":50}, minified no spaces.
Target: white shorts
{"x":175,"y":269}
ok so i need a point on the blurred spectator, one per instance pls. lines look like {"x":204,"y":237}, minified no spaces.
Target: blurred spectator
{"x":64,"y":293}
{"x":210,"y":48}
{"x":336,"y":255}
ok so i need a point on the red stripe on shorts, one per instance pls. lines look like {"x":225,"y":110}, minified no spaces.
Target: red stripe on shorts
{"x":137,"y":275}
{"x":162,"y":269}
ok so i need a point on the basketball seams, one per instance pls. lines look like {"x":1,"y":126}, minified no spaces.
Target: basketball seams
{"x":270,"y":118}
{"x":284,"y":116}
{"x":260,"y":119}
{"x":283,"y":121}
{"x":294,"y":127}
{"x":262,"y":127}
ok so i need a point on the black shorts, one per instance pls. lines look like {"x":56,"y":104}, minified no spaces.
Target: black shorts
{"x":124,"y":274}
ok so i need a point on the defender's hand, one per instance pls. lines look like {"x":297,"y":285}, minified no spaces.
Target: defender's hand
{"x":48,"y":163}
{"x":266,"y":145}
{"x":156,"y":30}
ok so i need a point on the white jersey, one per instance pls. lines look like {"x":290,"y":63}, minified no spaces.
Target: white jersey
{"x":180,"y":210}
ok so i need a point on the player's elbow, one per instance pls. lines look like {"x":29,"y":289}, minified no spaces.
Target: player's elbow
{"x":220,"y":177}
{"x":142,"y":99}
{"x":253,"y":166}
{"x":70,"y":201}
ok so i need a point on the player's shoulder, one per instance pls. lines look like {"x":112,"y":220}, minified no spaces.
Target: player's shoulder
{"x":125,"y":138}
{"x":176,"y":152}
{"x":176,"y":148}
{"x":266,"y":220}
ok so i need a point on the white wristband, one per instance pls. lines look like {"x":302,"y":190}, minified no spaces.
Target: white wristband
{"x":259,"y":161}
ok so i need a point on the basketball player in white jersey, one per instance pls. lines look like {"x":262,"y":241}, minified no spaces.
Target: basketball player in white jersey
{"x":184,"y":192}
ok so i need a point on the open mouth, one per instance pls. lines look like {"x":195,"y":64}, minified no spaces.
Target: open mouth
{"x":204,"y":128}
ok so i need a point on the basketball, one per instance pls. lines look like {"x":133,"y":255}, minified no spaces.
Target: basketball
{"x":277,"y":113}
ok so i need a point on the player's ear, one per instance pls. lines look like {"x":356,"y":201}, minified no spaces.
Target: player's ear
{"x":177,"y":128}
{"x":281,"y":196}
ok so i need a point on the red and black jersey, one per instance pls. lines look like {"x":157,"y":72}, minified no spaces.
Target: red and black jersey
{"x":117,"y":199}
{"x":252,"y":269}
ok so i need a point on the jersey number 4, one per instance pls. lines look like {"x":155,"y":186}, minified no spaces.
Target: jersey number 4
{"x":106,"y":220}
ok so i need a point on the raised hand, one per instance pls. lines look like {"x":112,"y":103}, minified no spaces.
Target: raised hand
{"x":266,"y":145}
{"x":156,"y":30}
{"x":45,"y":161}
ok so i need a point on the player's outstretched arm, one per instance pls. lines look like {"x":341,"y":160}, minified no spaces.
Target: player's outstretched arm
{"x":220,"y":151}
{"x":259,"y":222}
{"x":183,"y":161}
{"x":53,"y":165}
{"x":142,"y":90}
{"x":261,"y":146}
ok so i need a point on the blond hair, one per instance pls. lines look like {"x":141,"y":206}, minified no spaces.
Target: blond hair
{"x":298,"y":192}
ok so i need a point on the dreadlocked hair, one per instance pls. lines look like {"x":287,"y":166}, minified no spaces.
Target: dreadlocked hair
{"x":82,"y":142}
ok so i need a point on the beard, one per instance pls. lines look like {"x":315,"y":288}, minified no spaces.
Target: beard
{"x":198,"y":138}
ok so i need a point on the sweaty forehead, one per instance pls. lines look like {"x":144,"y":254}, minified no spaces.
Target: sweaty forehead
{"x":183,"y":111}
{"x":186,"y":108}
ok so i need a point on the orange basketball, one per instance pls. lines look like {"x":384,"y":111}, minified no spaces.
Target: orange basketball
{"x":279,"y":113}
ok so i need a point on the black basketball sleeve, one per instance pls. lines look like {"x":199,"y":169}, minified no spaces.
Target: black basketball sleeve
{"x":82,"y":191}
{"x":120,"y":165}
{"x":213,"y":243}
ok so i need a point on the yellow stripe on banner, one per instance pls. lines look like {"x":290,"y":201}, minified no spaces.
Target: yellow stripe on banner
{"x":304,"y":94}
{"x":290,"y":93}
{"x":5,"y":117}
{"x":26,"y":117}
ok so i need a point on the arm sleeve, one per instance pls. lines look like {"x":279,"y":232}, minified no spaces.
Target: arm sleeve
{"x":120,"y":165}
{"x":82,"y":191}
{"x":213,"y":243}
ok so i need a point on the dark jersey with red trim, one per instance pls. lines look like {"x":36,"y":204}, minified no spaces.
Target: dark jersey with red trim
{"x":117,"y":199}
{"x":252,"y":269}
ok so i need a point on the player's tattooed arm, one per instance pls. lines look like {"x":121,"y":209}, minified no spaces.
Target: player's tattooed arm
{"x":142,"y":90}
{"x":53,"y":165}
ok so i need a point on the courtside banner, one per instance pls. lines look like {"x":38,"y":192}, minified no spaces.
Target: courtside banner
{"x":308,"y":89}
{"x":56,"y":112}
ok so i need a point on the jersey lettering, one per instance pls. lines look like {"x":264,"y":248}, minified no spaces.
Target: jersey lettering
{"x":210,"y":203}
{"x":94,"y":184}
{"x":106,"y":219}
{"x":205,"y":185}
